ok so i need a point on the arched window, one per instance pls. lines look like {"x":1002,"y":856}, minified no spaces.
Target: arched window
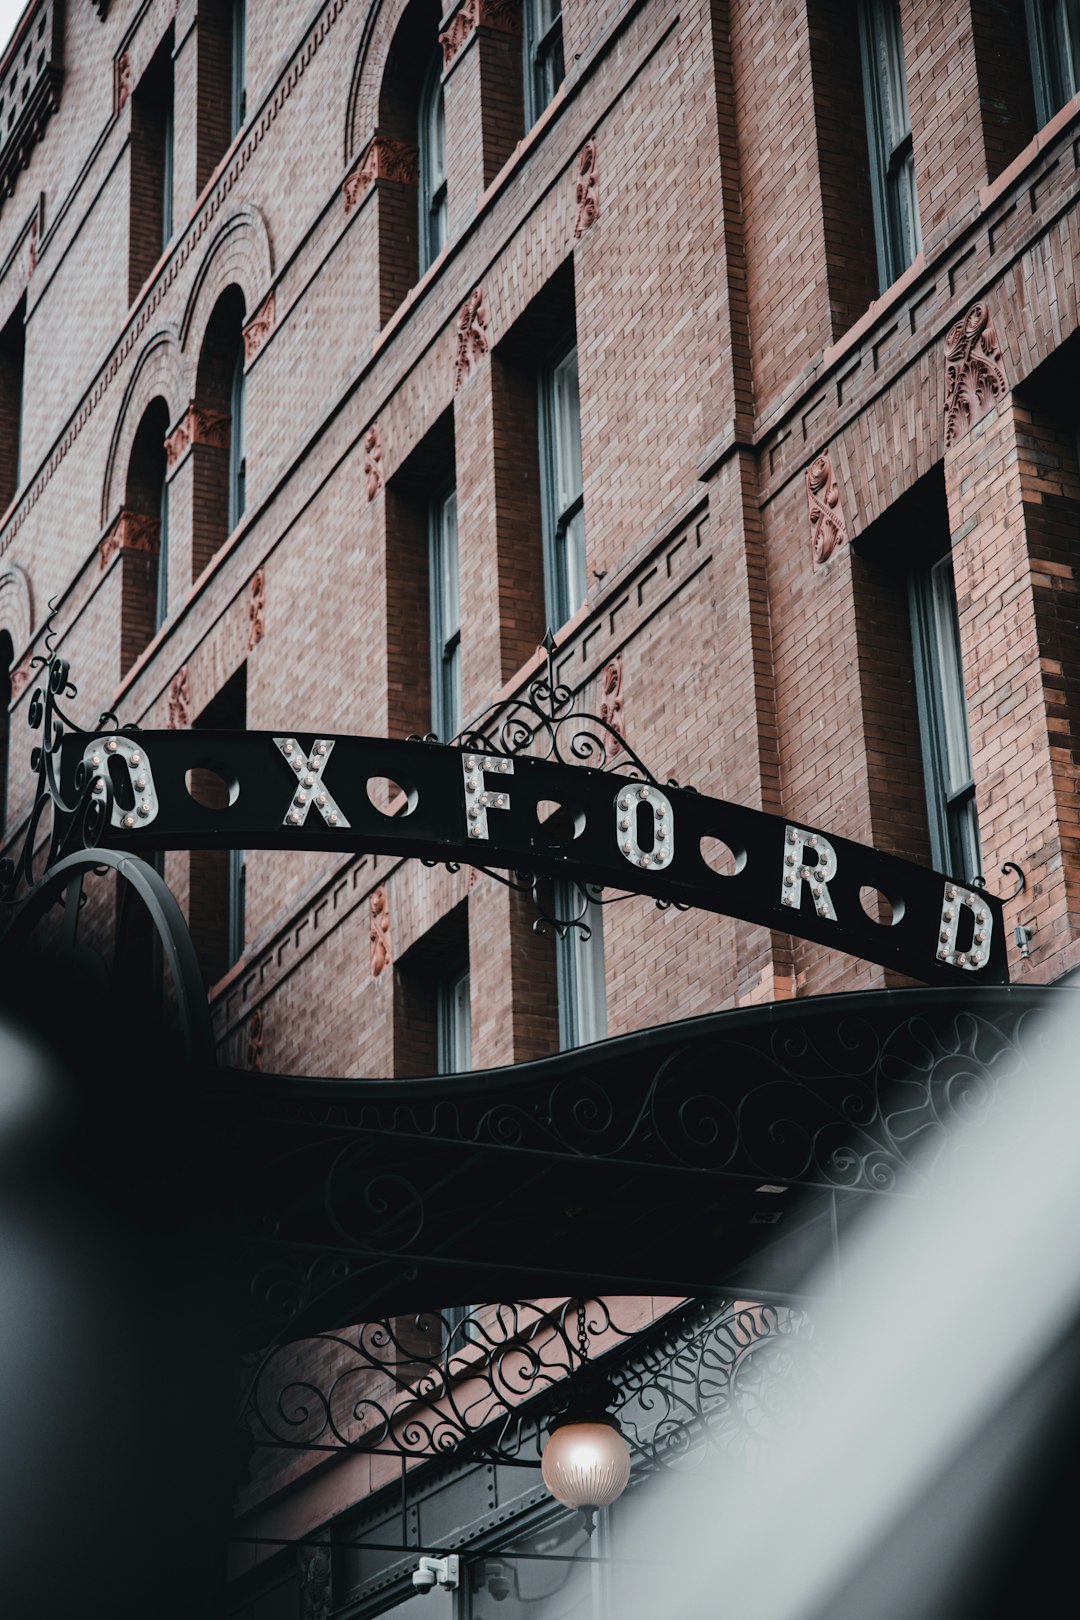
{"x":431,"y":128}
{"x":145,"y":536}
{"x":218,"y":449}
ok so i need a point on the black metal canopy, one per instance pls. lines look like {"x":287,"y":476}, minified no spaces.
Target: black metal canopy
{"x":722,"y":1155}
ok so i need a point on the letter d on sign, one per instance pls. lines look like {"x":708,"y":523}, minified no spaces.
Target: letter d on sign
{"x":957,"y":900}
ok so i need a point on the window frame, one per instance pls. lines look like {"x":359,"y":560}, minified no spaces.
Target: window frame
{"x":943,"y":728}
{"x":453,"y":1020}
{"x":897,"y":233}
{"x":161,"y":585}
{"x":431,"y":142}
{"x":1055,"y":63}
{"x":579,"y":971}
{"x":544,"y":65}
{"x":237,"y":435}
{"x":444,"y":589}
{"x":562,"y":514}
{"x":237,"y":67}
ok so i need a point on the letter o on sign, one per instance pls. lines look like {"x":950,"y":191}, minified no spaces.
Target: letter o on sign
{"x":639,"y":806}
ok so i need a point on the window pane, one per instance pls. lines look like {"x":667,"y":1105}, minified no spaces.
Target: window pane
{"x":560,"y":447}
{"x":161,"y":608}
{"x":453,"y":1023}
{"x":237,"y":468}
{"x":446,"y":708}
{"x":580,"y":973}
{"x":567,"y":431}
{"x":956,"y":765}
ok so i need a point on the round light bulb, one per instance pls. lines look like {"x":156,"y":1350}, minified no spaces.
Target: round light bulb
{"x":586,"y":1465}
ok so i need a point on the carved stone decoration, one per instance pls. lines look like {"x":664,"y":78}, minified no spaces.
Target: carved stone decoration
{"x":461,"y":26}
{"x":373,"y":467}
{"x":502,"y":14}
{"x":257,"y":609}
{"x":123,"y":80}
{"x":258,"y":329}
{"x":611,"y":702}
{"x":828,"y":530}
{"x":587,"y":190}
{"x":32,"y":247}
{"x":179,"y":702}
{"x":472,"y":335}
{"x":254,"y":1060}
{"x":314,"y":1564}
{"x":974,"y":372}
{"x":196,"y":426}
{"x":129,"y":531}
{"x":382,"y":159}
{"x":382,"y":953}
{"x":20,"y":680}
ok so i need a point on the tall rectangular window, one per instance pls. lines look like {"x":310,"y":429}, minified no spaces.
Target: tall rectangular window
{"x":544,"y":66}
{"x":446,"y":715}
{"x":562,"y":488}
{"x":888,"y":129}
{"x":579,"y":965}
{"x":453,"y":1022}
{"x":431,"y":133}
{"x":150,"y":226}
{"x":238,"y":67}
{"x":12,"y":366}
{"x":939,"y":675}
{"x":1054,"y":41}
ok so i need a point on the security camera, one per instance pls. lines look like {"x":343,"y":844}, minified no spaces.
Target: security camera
{"x":497,"y":1580}
{"x":436,"y":1572}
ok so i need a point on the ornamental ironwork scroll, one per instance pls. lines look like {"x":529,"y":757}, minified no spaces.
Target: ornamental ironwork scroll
{"x":709,"y":1375}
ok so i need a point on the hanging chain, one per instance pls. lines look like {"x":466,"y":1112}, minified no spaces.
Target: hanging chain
{"x":582,"y":1340}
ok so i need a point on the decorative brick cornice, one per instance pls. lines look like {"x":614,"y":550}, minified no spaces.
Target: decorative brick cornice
{"x":258,"y":329}
{"x":257,"y":609}
{"x":472,"y":336}
{"x":373,"y":467}
{"x":587,"y":189}
{"x":179,"y":717}
{"x":828,"y":530}
{"x":974,"y":372}
{"x":505,"y":15}
{"x":381,"y":159}
{"x":382,"y":952}
{"x":196,"y":426}
{"x":611,"y":701}
{"x":129,"y":531}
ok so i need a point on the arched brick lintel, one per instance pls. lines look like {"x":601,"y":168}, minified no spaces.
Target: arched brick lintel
{"x":158,"y":372}
{"x":239,"y":255}
{"x":16,"y":608}
{"x":362,"y":114}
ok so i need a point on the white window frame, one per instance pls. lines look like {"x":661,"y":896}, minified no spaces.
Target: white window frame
{"x":237,"y":433}
{"x":453,"y":1021}
{"x":431,"y":140}
{"x":1053,"y":30}
{"x":889,"y":139}
{"x":579,"y":970}
{"x":445,"y":598}
{"x":561,"y":488}
{"x":939,"y":680}
{"x":544,"y":65}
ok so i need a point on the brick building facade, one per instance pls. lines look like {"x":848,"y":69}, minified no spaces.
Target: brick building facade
{"x":345,"y":347}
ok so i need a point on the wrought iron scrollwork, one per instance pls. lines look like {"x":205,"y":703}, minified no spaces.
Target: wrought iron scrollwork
{"x":546,"y":723}
{"x":712,"y":1375}
{"x":78,"y":822}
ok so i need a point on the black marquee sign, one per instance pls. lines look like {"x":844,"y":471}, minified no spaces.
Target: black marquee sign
{"x":534,"y":789}
{"x":462,"y":805}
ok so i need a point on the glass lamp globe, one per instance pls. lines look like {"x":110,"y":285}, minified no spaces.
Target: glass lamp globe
{"x":586,"y":1465}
